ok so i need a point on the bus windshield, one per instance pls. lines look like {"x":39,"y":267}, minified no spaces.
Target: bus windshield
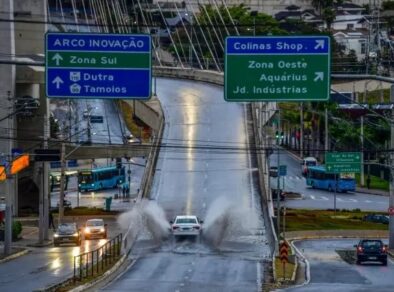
{"x":85,"y":177}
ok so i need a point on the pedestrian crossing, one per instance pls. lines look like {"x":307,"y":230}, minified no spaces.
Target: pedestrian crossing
{"x":342,"y":200}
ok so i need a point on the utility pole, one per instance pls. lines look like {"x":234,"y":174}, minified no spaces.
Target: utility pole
{"x":278,"y":181}
{"x":302,"y":130}
{"x":391,"y":199}
{"x":326,"y":130}
{"x":62,"y":169}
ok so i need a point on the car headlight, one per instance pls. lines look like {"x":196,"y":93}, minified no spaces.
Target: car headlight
{"x":75,"y":234}
{"x":92,"y":185}
{"x":87,"y":230}
{"x":102,"y":229}
{"x":56,"y":235}
{"x":79,"y":185}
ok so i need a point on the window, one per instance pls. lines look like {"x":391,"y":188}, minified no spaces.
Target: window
{"x":186,"y":221}
{"x":363,"y":47}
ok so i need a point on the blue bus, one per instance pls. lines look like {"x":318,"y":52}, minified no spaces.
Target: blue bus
{"x":317,"y":177}
{"x":100,"y":178}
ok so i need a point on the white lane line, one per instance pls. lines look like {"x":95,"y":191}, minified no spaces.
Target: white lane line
{"x":367,"y":201}
{"x":340,"y":200}
{"x":353,"y":200}
{"x":324,"y":198}
{"x":258,"y":270}
{"x":312,"y":197}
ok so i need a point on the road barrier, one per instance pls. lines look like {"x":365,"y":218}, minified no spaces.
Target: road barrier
{"x":96,"y":262}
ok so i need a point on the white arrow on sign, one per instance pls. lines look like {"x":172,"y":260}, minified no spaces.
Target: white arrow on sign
{"x":319,"y":76}
{"x":57,"y":59}
{"x":319,"y":44}
{"x":57,"y":81}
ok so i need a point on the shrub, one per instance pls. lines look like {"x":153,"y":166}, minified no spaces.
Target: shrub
{"x":16,"y":229}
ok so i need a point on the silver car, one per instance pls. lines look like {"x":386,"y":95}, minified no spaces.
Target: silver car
{"x":186,"y":225}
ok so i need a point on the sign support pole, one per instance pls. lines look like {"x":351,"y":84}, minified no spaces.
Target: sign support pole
{"x":335,"y":193}
{"x":391,"y":199}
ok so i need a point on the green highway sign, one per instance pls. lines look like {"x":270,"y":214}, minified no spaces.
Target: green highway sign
{"x":286,"y":68}
{"x":341,"y":162}
{"x":98,"y":65}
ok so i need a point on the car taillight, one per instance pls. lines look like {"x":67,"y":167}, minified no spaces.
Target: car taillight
{"x":384,"y":249}
{"x":197,"y":227}
{"x":175,"y":227}
{"x":359,"y":249}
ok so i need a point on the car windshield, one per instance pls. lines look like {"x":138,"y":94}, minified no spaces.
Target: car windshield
{"x":371,"y":244}
{"x":186,"y":220}
{"x":311,"y":163}
{"x":67,"y":227}
{"x":94,"y":223}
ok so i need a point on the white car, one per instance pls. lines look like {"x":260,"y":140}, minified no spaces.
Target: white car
{"x":186,"y":225}
{"x":95,"y":228}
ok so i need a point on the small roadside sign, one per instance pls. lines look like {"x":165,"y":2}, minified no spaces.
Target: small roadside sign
{"x":282,"y":170}
{"x":284,"y":252}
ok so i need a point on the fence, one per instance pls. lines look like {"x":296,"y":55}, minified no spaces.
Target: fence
{"x":96,"y":262}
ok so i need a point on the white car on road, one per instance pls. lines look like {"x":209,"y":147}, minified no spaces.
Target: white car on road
{"x":186,"y":225}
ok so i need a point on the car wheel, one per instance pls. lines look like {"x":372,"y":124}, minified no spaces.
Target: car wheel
{"x":56,"y":244}
{"x":384,"y":263}
{"x":312,"y":185}
{"x":358,"y":262}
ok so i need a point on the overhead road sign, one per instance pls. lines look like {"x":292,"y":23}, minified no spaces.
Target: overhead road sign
{"x":285,"y":68}
{"x":86,"y":65}
{"x":47,"y":154}
{"x":343,"y":162}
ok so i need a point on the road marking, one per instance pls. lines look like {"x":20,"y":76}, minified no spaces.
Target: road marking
{"x":312,"y":197}
{"x":324,"y":198}
{"x":353,"y":200}
{"x":340,"y":200}
{"x":368,"y":201}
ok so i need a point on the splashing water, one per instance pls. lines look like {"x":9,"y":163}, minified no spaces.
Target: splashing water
{"x":146,"y":217}
{"x":229,"y":220}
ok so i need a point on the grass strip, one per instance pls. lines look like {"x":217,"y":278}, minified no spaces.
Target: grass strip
{"x":301,"y":219}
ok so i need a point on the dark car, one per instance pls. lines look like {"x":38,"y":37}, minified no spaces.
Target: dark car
{"x":371,"y":250}
{"x":274,"y":193}
{"x":377,"y":218}
{"x":67,"y":233}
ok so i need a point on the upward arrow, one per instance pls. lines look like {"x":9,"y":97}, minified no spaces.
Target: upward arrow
{"x":57,"y":58}
{"x":57,"y":81}
{"x":319,"y":44}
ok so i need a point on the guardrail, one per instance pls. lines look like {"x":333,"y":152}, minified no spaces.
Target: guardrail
{"x":96,"y":262}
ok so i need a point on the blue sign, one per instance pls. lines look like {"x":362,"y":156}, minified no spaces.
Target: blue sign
{"x":278,"y":45}
{"x":80,"y":65}
{"x":282,"y":170}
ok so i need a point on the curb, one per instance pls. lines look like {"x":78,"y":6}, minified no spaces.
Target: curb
{"x":14,"y":256}
{"x":372,"y":193}
{"x":45,"y":244}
